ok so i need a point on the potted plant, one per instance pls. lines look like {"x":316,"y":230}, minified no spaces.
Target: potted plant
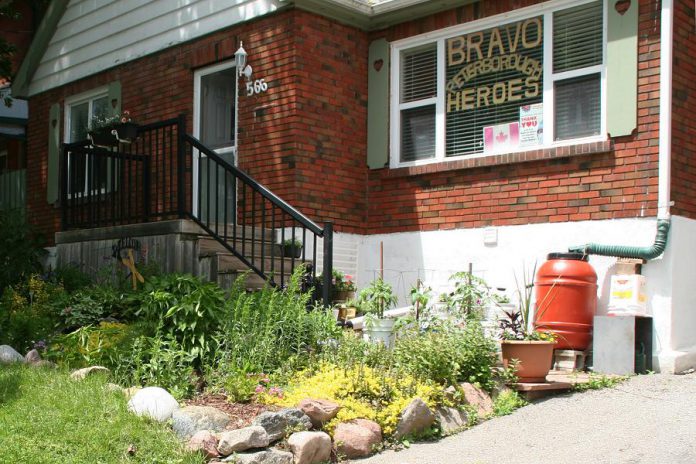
{"x":532,"y":349}
{"x":291,"y":248}
{"x":108,"y":131}
{"x":343,"y":286}
{"x":373,"y":301}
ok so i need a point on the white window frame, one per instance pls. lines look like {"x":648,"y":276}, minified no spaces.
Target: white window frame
{"x":440,"y":36}
{"x":71,"y":101}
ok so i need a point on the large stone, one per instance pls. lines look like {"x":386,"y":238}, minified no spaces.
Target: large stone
{"x":153,"y":402}
{"x":9,"y":355}
{"x":191,"y":419}
{"x":242,"y":440}
{"x":319,"y":411}
{"x":357,"y":438}
{"x":269,"y":456}
{"x":415,"y":419}
{"x":478,"y":398}
{"x":279,"y":424}
{"x":310,"y":447}
{"x":205,"y":442}
{"x":451,"y":420}
{"x":82,"y":374}
{"x":32,"y":357}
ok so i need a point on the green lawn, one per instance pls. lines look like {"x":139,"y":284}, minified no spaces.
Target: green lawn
{"x":47,"y":418}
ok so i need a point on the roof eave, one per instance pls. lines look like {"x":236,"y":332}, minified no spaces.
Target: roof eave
{"x":20,"y":83}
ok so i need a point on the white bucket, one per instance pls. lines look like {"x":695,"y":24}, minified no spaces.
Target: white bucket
{"x":627,"y":296}
{"x":380,"y":331}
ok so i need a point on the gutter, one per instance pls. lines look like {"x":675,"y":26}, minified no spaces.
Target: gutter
{"x":664,"y":163}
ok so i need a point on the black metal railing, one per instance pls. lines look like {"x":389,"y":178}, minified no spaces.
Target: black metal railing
{"x":166,"y":173}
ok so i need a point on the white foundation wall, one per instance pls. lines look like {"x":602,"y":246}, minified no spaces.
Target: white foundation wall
{"x":498,"y":253}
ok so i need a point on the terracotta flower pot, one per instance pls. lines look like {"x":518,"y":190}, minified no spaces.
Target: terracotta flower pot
{"x":534,"y":358}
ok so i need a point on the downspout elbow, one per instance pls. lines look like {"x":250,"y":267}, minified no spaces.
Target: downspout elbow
{"x":621,"y":251}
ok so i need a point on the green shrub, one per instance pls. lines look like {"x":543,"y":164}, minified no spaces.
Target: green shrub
{"x":184,"y":309}
{"x":29,"y":312}
{"x":20,"y":249}
{"x":106,"y":344}
{"x":71,"y":277}
{"x":506,"y":402}
{"x":91,"y":305}
{"x":272,"y":328}
{"x":448,"y":355}
{"x":161,"y":362}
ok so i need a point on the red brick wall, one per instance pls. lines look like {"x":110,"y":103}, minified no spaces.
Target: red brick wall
{"x":617,"y":182}
{"x":684,"y":107}
{"x":304,"y":139}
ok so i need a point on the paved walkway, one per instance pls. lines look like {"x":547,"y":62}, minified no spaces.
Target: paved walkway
{"x":648,"y":419}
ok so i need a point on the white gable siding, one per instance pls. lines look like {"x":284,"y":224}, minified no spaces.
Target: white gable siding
{"x":94,"y":35}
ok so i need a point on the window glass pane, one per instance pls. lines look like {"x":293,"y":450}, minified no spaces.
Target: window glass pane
{"x":217,"y":109}
{"x":490,"y":75}
{"x":100,"y":107}
{"x":578,"y":112}
{"x":79,"y":119}
{"x":419,"y":73}
{"x":577,"y":37}
{"x":418,"y":133}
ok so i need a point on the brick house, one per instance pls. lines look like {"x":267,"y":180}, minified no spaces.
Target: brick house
{"x":445,"y":133}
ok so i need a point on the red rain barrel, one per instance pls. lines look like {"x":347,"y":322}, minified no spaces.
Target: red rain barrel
{"x":566,"y":299}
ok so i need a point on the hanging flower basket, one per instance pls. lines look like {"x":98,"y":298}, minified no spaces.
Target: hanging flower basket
{"x":109,"y":131}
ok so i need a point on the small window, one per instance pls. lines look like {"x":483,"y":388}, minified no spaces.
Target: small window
{"x":85,"y":173}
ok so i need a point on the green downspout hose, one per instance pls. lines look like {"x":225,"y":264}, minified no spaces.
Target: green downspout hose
{"x":620,"y":251}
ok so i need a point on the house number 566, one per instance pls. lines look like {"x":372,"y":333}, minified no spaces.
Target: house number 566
{"x":258,"y":86}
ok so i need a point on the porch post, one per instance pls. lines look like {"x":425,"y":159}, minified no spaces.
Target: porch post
{"x":328,"y":264}
{"x":181,"y":167}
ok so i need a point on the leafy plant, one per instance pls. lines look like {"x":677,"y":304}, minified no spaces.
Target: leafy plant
{"x":598,"y":382}
{"x":105,"y":120}
{"x":517,"y":324}
{"x":506,"y":403}
{"x":342,"y":282}
{"x":71,"y":277}
{"x":92,"y":305}
{"x":471,"y":294}
{"x":29,"y":312}
{"x":184,"y":309}
{"x":20,"y":248}
{"x":269,"y":329}
{"x":376,"y":297}
{"x":420,"y":297}
{"x":292,"y":243}
{"x":448,"y":355}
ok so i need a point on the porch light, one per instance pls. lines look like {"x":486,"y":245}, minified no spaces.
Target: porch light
{"x":240,"y":58}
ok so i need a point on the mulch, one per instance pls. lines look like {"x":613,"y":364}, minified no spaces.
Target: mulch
{"x":241,"y":413}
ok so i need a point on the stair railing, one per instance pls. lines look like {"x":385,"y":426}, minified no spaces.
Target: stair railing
{"x":243,"y":216}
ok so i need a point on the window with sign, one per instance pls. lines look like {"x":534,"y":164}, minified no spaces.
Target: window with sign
{"x":499,"y":88}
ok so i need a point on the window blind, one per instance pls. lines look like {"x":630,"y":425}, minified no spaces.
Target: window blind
{"x":577,"y":37}
{"x":578,"y":107}
{"x":419,"y":73}
{"x":418,"y":133}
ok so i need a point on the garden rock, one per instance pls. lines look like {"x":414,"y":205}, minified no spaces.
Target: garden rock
{"x":278,"y":423}
{"x":242,"y":440}
{"x":451,"y":419}
{"x":415,"y":418}
{"x":204,"y":441}
{"x":82,"y":374}
{"x":32,"y":357}
{"x":478,"y":398}
{"x":357,"y":438}
{"x":191,"y":419}
{"x":319,"y":411}
{"x":269,"y":456}
{"x":8,"y":355}
{"x":153,"y":402}
{"x":310,"y":447}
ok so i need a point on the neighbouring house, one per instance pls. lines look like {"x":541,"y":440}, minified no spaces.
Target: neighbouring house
{"x":17,"y":30}
{"x":432,"y":134}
